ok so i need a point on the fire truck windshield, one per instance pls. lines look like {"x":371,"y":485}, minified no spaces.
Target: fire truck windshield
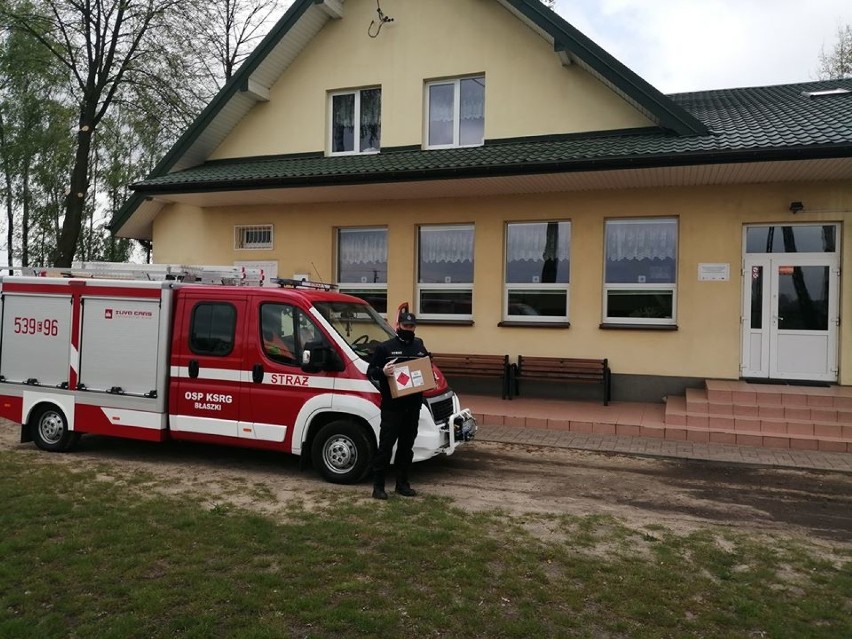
{"x":358,"y":324}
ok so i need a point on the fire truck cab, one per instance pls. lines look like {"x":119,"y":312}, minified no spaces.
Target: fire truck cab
{"x":275,"y":367}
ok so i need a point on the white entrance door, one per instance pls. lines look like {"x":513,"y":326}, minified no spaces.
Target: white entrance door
{"x":790,"y":319}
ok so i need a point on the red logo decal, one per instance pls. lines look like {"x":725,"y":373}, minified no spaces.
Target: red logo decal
{"x":108,"y":313}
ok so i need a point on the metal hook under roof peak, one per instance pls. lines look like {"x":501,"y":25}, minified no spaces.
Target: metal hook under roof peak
{"x":376,"y":25}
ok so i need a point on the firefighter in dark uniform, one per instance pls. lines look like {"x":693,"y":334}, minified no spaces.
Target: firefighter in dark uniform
{"x":400,"y":415}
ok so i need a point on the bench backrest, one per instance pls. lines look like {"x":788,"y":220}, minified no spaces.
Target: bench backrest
{"x":562,"y":368}
{"x":470,"y":364}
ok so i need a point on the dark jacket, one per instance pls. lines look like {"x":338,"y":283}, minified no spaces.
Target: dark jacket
{"x":395,"y":348}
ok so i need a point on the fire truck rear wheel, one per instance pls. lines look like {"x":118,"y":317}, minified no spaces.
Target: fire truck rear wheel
{"x":341,"y":452}
{"x":50,"y":430}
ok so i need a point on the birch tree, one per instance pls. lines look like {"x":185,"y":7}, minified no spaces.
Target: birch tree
{"x":33,"y":135}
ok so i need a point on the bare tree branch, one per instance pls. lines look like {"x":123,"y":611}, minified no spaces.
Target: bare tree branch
{"x":837,"y":64}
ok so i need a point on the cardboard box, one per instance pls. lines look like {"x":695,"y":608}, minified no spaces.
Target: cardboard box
{"x":412,"y":376}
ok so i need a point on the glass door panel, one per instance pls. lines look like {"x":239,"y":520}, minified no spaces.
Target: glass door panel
{"x":803,"y":334}
{"x":803,"y":298}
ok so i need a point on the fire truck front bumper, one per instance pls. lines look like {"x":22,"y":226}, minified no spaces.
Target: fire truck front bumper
{"x":460,"y":428}
{"x":444,"y":426}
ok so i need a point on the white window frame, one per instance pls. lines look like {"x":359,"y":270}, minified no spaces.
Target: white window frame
{"x":353,"y":287}
{"x":240,"y":243}
{"x":357,"y":121}
{"x":438,"y":286}
{"x":532,"y":286}
{"x":456,"y":82}
{"x":650,"y":287}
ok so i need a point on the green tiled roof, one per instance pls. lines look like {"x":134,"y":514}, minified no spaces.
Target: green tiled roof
{"x":750,"y":124}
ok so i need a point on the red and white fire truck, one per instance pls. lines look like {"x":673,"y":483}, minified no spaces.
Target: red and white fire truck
{"x":279,"y":367}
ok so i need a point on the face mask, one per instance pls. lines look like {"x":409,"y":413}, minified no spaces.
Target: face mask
{"x":405,"y":335}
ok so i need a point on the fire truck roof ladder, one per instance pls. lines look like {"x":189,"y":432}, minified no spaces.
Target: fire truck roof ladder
{"x":283,"y":282}
{"x":197,"y":274}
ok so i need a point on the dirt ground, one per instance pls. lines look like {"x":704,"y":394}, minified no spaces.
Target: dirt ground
{"x":680,"y":495}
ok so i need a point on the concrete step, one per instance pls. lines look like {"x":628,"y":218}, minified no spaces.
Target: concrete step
{"x":831,"y":415}
{"x":704,"y":416}
{"x":744,"y":393}
{"x":699,"y":402}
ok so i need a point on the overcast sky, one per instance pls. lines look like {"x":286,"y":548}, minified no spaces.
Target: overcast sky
{"x":692,"y":45}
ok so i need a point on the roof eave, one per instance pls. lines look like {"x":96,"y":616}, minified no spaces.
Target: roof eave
{"x":680,"y":159}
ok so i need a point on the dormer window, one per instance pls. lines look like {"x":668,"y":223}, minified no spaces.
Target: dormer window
{"x":455,"y":113}
{"x":356,"y":121}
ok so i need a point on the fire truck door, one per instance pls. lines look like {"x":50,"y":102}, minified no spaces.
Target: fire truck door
{"x":36,"y":335}
{"x":208,"y":367}
{"x":278,"y":386}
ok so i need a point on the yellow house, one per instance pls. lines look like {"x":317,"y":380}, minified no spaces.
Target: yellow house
{"x":527,"y":193}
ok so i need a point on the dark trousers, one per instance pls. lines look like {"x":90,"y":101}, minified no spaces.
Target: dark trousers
{"x":400,"y":428}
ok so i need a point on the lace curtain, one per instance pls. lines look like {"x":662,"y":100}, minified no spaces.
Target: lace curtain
{"x":471,"y":101}
{"x":343,"y":119}
{"x":627,"y":240}
{"x":343,"y":107}
{"x":363,"y":247}
{"x":371,"y":119}
{"x":343,"y":111}
{"x":538,"y":241}
{"x":447,"y":244}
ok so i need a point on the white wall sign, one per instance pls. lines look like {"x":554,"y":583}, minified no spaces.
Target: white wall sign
{"x":714,"y":272}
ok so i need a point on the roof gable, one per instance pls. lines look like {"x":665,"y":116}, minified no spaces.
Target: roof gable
{"x":528,"y":89}
{"x":306,"y":18}
{"x":574,"y":47}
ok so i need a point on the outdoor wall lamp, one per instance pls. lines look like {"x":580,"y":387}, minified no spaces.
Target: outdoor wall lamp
{"x":796,"y":207}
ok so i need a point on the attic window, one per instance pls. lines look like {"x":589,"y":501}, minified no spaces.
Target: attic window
{"x":826,"y":92}
{"x":356,"y":121}
{"x":455,"y":113}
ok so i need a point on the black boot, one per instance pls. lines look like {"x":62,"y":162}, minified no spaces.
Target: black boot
{"x":405,"y":489}
{"x":379,"y":487}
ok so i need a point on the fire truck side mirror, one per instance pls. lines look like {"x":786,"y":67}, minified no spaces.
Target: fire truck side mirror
{"x":319,"y":356}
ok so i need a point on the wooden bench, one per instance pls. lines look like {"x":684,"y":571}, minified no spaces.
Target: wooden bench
{"x":565,"y":369}
{"x":464,"y":365}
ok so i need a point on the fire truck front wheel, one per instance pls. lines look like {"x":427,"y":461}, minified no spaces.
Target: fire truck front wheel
{"x":50,"y":430}
{"x":341,"y":452}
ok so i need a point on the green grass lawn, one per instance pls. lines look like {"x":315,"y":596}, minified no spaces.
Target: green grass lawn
{"x":84,"y":557}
